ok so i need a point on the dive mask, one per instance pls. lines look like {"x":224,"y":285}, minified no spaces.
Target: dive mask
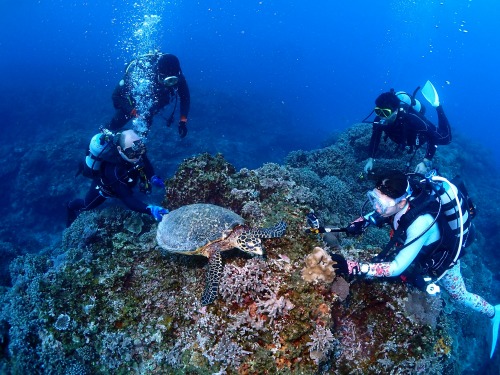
{"x":383,"y":112}
{"x":135,"y":151}
{"x":170,"y":81}
{"x":381,"y":202}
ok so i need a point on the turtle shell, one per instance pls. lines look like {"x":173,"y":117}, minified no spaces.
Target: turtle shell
{"x":190,"y":227}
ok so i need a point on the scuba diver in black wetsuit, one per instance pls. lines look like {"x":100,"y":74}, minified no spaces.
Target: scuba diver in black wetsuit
{"x":150,"y":83}
{"x":122,"y":169}
{"x":402,"y":120}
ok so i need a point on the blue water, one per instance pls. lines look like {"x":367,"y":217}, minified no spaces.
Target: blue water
{"x":303,"y":69}
{"x":323,"y":65}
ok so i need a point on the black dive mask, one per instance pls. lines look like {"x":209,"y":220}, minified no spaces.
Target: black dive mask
{"x":135,"y":151}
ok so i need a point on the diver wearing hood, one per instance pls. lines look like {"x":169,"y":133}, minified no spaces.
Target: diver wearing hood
{"x":402,"y":119}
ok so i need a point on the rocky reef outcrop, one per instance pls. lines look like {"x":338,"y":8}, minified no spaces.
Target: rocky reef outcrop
{"x":107,"y":301}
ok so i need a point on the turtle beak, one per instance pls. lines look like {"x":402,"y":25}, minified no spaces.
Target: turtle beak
{"x":255,"y":249}
{"x":252,"y":246}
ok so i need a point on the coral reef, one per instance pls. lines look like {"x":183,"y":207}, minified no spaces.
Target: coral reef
{"x":318,"y":267}
{"x":105,"y":300}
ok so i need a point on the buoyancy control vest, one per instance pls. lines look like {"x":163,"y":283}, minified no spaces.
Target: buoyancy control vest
{"x":452,"y":209}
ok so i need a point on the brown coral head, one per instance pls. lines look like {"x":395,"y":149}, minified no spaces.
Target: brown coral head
{"x":319,"y":267}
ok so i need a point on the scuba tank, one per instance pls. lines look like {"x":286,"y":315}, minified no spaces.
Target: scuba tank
{"x":457,"y":229}
{"x":455,"y":210}
{"x":406,"y":98}
{"x":99,"y":145}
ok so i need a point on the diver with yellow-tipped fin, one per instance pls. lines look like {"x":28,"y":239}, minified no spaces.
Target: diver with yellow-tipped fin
{"x":401,"y":118}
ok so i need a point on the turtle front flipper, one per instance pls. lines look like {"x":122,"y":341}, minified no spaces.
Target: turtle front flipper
{"x":250,"y":240}
{"x":212,"y":280}
{"x":273,"y":232}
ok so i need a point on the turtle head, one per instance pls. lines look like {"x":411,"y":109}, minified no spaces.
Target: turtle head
{"x":250,"y":243}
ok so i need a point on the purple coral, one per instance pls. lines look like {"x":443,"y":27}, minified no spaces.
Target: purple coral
{"x":251,"y":281}
{"x":321,"y":344}
{"x":273,"y":306}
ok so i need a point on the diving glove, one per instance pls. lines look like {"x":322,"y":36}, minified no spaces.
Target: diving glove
{"x":157,"y":211}
{"x":369,"y":165}
{"x":157,"y":181}
{"x":345,"y":267}
{"x":357,"y":227}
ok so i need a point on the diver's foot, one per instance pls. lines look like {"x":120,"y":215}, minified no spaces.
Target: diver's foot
{"x":496,"y":325}
{"x":430,"y":94}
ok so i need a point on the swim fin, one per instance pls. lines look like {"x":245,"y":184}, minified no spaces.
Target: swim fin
{"x":430,"y":94}
{"x":496,"y":325}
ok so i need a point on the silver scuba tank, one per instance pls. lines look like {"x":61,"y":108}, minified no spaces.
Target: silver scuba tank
{"x":96,"y":147}
{"x":412,"y":102}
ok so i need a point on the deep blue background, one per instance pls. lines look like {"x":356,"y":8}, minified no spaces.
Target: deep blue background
{"x":323,"y":64}
{"x":309,"y":68}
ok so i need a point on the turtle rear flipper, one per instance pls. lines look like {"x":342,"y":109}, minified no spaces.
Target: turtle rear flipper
{"x":214,"y":274}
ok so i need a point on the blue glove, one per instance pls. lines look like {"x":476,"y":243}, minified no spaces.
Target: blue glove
{"x":157,"y":181}
{"x":157,"y":211}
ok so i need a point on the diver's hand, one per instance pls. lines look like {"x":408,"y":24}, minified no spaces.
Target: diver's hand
{"x":357,"y":227}
{"x":183,"y":128}
{"x":424,"y":166}
{"x":157,"y":181}
{"x":157,"y":211}
{"x":369,"y":165}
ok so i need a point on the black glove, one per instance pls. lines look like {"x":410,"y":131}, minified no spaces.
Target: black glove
{"x":340,"y":265}
{"x":183,"y":130}
{"x":357,"y":227}
{"x":348,"y":268}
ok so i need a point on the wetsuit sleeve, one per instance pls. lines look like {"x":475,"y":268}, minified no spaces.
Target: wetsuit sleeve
{"x":375,"y":139}
{"x":118,"y":176}
{"x":184,"y":96}
{"x":408,"y":253}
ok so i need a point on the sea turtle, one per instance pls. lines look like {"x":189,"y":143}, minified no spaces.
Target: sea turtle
{"x":206,"y":230}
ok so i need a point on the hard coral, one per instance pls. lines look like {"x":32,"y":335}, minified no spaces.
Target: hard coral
{"x":201,"y":179}
{"x":62,"y":322}
{"x":318,"y":267}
